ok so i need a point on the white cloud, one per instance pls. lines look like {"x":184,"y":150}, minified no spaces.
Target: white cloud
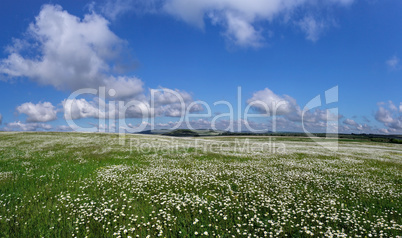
{"x":393,"y":63}
{"x":41,"y":112}
{"x":312,"y":27}
{"x":164,"y":96}
{"x":113,"y":9}
{"x":383,"y":131}
{"x":389,"y":115}
{"x":71,"y":53}
{"x":172,"y":103}
{"x":350,"y":122}
{"x":74,"y":53}
{"x":352,"y":125}
{"x":81,"y":108}
{"x":165,"y":102}
{"x":392,"y":106}
{"x":384,"y":115}
{"x":241,"y":32}
{"x":240,"y":18}
{"x":290,"y":113}
{"x":159,"y":103}
{"x":125,"y":87}
{"x":266,"y":101}
{"x":19,"y":126}
{"x":364,"y":128}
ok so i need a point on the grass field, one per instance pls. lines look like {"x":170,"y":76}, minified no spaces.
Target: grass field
{"x":76,"y":184}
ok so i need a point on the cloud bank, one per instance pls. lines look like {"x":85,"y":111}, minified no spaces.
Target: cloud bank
{"x":290,"y":115}
{"x":243,"y":22}
{"x":390,"y":115}
{"x":19,"y":126}
{"x":69,"y":53}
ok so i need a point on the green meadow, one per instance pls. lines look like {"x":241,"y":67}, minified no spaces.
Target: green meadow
{"x":103,"y":185}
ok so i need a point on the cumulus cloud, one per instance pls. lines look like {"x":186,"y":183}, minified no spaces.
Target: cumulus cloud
{"x":266,"y":101}
{"x":241,"y":32}
{"x":160,"y":102}
{"x":125,"y":87}
{"x":69,"y":53}
{"x":350,"y":122}
{"x":351,"y":125}
{"x":19,"y":126}
{"x":288,"y":112}
{"x":383,"y":131}
{"x":384,"y":115}
{"x":81,"y":108}
{"x":390,"y":116}
{"x":290,"y":115}
{"x":41,"y":112}
{"x":364,"y":128}
{"x":172,"y":103}
{"x":240,"y":19}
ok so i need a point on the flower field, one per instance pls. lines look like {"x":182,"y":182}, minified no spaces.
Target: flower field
{"x":100,"y":185}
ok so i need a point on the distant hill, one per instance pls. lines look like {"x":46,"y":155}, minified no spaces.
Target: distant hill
{"x":209,"y":132}
{"x":182,"y":133}
{"x":155,"y":132}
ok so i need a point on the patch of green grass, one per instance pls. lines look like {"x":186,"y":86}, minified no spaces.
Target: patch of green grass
{"x":73,"y":184}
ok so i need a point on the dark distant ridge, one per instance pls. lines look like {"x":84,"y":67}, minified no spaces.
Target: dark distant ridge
{"x":341,"y":137}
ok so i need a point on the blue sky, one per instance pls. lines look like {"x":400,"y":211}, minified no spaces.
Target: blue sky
{"x":276,"y":51}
